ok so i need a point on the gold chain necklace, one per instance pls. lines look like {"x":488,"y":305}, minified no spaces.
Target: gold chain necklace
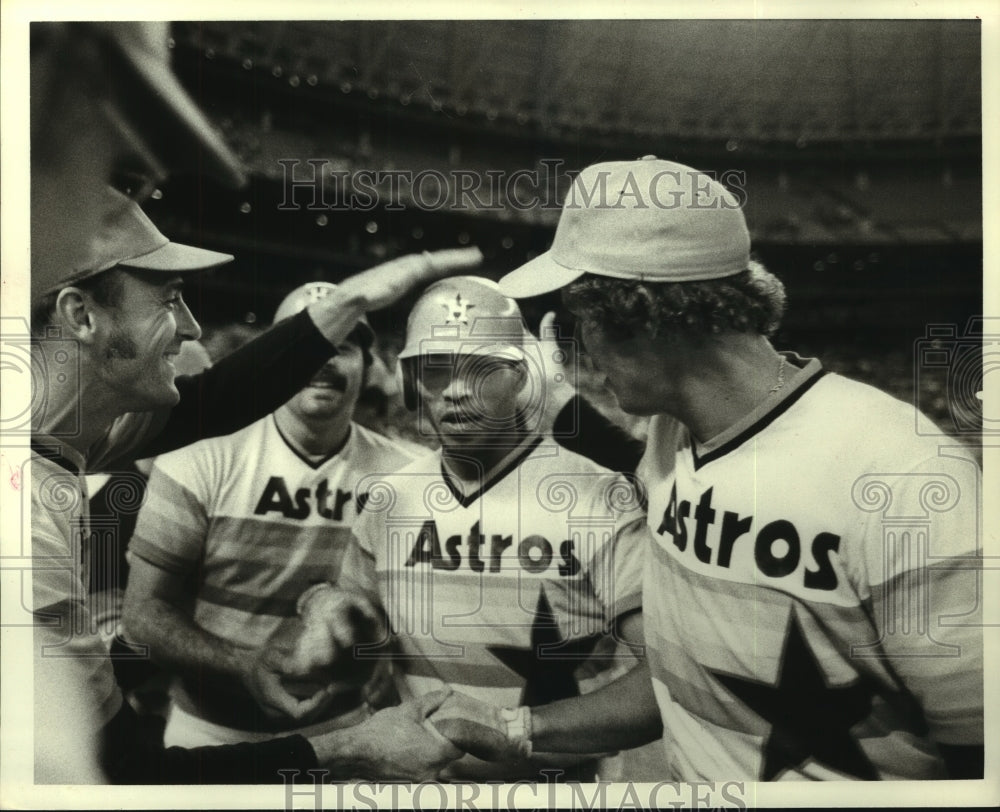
{"x":781,"y":375}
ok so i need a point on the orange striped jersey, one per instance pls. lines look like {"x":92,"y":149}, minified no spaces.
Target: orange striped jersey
{"x":811,"y":606}
{"x":256,"y":522}
{"x":504,"y":588}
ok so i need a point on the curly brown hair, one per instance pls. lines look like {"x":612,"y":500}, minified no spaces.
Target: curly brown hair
{"x":750,"y":301}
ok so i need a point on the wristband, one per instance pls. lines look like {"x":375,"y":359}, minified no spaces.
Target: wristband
{"x":519,"y":727}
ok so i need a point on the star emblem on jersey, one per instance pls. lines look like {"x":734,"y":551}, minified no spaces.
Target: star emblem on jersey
{"x":810,"y":720}
{"x":552,"y":675}
{"x":457,"y":310}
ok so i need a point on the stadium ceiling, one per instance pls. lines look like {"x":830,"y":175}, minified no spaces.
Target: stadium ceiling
{"x":765,"y":80}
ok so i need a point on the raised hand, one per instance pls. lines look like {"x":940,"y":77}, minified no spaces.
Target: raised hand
{"x":382,"y":285}
{"x":558,"y":383}
{"x":335,"y":315}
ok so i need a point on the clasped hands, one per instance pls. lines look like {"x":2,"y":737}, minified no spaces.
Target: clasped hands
{"x":309,"y":660}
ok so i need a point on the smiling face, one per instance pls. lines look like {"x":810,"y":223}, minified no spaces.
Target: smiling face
{"x":334,"y":388}
{"x":469,"y":399}
{"x":139,"y":335}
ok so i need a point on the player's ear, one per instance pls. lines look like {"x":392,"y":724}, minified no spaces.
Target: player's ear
{"x":75,"y":312}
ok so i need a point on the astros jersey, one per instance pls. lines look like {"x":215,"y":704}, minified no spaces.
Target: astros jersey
{"x":75,"y":693}
{"x":811,"y":605}
{"x":258,"y":528}
{"x":505,"y":592}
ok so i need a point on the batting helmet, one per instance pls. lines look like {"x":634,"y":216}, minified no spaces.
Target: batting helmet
{"x":304,"y":295}
{"x":462,"y":315}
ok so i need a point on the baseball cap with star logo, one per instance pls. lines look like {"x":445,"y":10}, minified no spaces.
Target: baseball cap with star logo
{"x":648,"y":220}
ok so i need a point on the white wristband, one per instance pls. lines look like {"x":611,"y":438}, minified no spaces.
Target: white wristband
{"x":519,"y":727}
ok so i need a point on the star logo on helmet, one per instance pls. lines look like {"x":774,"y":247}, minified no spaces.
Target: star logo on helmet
{"x":317,"y":292}
{"x":457,"y":310}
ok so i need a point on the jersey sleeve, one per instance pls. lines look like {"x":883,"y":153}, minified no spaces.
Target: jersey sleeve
{"x":921,"y":572}
{"x":172,"y":525}
{"x":74,"y":685}
{"x":357,"y":569}
{"x":132,"y":752}
{"x":56,"y":538}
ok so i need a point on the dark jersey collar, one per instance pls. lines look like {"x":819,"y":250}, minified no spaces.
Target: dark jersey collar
{"x":62,"y":454}
{"x":490,"y":478}
{"x":808,"y":372}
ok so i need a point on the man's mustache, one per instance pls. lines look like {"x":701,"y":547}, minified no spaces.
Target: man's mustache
{"x":331,"y":378}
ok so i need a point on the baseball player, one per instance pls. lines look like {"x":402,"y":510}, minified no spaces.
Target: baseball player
{"x":226,"y":543}
{"x":503,"y":562}
{"x":811,"y":602}
{"x":105,"y":334}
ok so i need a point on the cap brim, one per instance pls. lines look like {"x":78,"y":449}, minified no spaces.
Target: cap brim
{"x":540,"y":275}
{"x":191,"y":141}
{"x":449,"y":346}
{"x":177,"y":258}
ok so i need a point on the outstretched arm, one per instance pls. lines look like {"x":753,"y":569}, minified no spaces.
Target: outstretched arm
{"x":394,"y":744}
{"x":262,"y":375}
{"x":621,"y":715}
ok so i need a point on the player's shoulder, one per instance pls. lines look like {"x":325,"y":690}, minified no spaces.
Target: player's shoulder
{"x":551,"y":465}
{"x":861,"y":406}
{"x":372,"y":445}
{"x":549,"y":455}
{"x":421,"y":462}
{"x":221,"y":449}
{"x":399,"y":489}
{"x":879,"y":427}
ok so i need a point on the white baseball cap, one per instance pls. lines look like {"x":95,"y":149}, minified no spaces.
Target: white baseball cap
{"x":131,"y":240}
{"x":648,"y":220}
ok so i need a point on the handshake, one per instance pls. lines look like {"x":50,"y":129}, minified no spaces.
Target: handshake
{"x":483,"y":730}
{"x":308,"y":662}
{"x":418,"y":739}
